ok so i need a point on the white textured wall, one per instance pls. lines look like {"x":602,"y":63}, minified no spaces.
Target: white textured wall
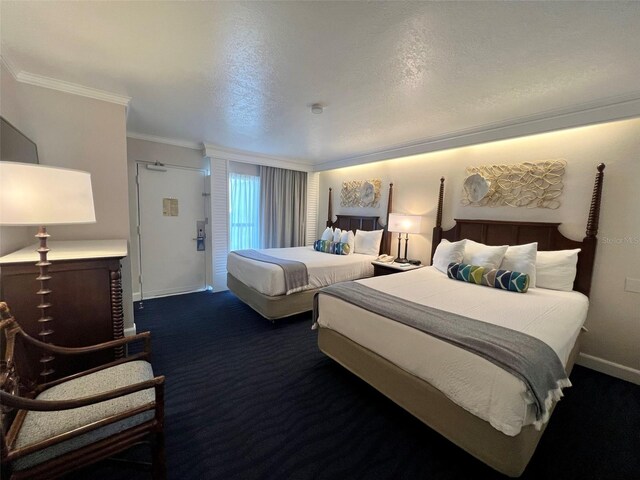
{"x":85,"y":134}
{"x":614,"y":315}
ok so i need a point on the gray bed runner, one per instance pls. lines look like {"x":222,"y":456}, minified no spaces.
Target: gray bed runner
{"x":522,"y":355}
{"x":296,"y":275}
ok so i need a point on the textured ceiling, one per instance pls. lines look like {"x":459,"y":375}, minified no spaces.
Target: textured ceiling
{"x":243,"y":75}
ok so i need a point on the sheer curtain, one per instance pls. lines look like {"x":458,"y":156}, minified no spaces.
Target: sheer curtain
{"x":283,"y":204}
{"x":244,"y":211}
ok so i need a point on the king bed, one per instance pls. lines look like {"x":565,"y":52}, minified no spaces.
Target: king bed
{"x":263,"y":285}
{"x":484,"y":407}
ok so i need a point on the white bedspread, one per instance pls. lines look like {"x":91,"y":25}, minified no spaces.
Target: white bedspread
{"x":472,"y":382}
{"x":324,"y":268}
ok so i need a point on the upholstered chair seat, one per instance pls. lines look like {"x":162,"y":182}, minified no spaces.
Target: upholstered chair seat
{"x":40,"y":426}
{"x":51,"y":428}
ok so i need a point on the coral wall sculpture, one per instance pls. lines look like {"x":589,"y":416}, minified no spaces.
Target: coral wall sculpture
{"x":360,"y":193}
{"x":528,"y":184}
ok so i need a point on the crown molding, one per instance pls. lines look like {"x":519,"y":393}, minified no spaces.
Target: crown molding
{"x":600,"y":111}
{"x":63,"y":86}
{"x":11,"y":68}
{"x":167,"y":141}
{"x":73,"y":88}
{"x":214,"y":151}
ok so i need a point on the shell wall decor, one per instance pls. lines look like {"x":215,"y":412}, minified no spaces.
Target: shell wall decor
{"x":360,"y":193}
{"x":528,"y":184}
{"x":476,"y":187}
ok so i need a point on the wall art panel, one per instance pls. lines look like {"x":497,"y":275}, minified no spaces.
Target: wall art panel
{"x":528,"y":184}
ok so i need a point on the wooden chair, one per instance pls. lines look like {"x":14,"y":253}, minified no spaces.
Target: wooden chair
{"x":62,"y":425}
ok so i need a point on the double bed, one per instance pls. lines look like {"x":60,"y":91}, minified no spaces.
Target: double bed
{"x":262,"y":285}
{"x":477,"y":404}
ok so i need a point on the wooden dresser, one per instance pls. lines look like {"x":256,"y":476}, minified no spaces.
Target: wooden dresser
{"x":86,"y":297}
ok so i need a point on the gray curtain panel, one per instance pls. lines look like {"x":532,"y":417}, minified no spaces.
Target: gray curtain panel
{"x":283,"y":205}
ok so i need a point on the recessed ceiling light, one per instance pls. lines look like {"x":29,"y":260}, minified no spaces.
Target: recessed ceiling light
{"x":316,"y":108}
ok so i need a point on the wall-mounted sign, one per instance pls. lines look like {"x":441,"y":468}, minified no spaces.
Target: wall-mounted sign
{"x":170,"y":207}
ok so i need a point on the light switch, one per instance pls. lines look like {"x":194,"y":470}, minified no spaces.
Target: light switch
{"x":632,"y":285}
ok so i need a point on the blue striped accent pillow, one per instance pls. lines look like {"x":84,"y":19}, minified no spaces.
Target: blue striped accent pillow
{"x":490,"y":277}
{"x":327,"y":246}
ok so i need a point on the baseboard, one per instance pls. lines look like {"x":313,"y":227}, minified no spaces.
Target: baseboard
{"x":131,"y":331}
{"x":168,"y":293}
{"x":136,"y":296}
{"x":610,"y":368}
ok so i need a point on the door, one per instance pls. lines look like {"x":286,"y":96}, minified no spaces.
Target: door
{"x":171,"y":216}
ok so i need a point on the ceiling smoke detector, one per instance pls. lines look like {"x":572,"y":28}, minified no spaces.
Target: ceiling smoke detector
{"x":316,"y":108}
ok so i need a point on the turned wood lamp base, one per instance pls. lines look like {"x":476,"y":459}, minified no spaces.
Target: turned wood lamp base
{"x":45,"y":319}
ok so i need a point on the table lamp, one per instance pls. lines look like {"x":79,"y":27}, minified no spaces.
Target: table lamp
{"x":406,"y":224}
{"x":32,"y":194}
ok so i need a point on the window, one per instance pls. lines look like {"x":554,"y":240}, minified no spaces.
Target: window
{"x":244,"y":211}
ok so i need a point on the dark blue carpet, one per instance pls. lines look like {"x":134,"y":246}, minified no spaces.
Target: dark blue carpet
{"x":246,"y":399}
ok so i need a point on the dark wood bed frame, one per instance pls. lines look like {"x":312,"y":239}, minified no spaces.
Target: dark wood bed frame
{"x":498,"y":232}
{"x":509,"y":455}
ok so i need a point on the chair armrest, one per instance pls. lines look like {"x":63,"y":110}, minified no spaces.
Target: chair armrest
{"x":53,"y":405}
{"x":146,"y":336}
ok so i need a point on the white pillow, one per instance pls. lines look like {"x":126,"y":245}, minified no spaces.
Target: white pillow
{"x":521,"y":258}
{"x":483,"y":255}
{"x":327,"y":234}
{"x":336,"y":235}
{"x":556,"y":270}
{"x":350,"y":238}
{"x":447,"y":252}
{"x":368,"y":242}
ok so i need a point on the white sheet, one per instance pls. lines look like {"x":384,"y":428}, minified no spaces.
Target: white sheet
{"x":324,"y":268}
{"x":472,"y":382}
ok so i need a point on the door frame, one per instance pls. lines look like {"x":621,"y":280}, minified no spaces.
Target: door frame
{"x":207,"y":217}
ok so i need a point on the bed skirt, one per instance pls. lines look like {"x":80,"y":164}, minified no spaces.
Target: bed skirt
{"x":272,"y":308}
{"x":508,"y":455}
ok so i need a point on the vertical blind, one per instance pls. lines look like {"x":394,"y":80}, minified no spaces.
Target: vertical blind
{"x":313,"y":190}
{"x":244,"y":211}
{"x":219,"y":222}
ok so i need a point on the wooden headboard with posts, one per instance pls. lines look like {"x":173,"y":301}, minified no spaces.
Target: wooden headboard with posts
{"x":359,"y":222}
{"x":498,"y":232}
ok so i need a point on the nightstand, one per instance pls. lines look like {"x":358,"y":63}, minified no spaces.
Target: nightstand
{"x":381,"y":268}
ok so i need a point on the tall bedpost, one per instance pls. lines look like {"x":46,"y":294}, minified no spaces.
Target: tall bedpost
{"x":437,"y":230}
{"x":389,"y":204}
{"x":330,"y":210}
{"x":385,"y":245}
{"x":590,"y":241}
{"x":594,"y":211}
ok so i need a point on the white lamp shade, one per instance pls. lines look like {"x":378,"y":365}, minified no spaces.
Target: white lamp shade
{"x":400,"y":223}
{"x":42,"y":195}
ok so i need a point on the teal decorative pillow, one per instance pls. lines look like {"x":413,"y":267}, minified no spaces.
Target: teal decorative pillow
{"x":342,"y":248}
{"x":322,"y":245}
{"x":490,"y":277}
{"x":328,"y":246}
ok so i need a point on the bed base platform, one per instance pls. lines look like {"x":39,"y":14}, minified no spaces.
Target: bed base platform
{"x":508,"y":455}
{"x":272,"y":308}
